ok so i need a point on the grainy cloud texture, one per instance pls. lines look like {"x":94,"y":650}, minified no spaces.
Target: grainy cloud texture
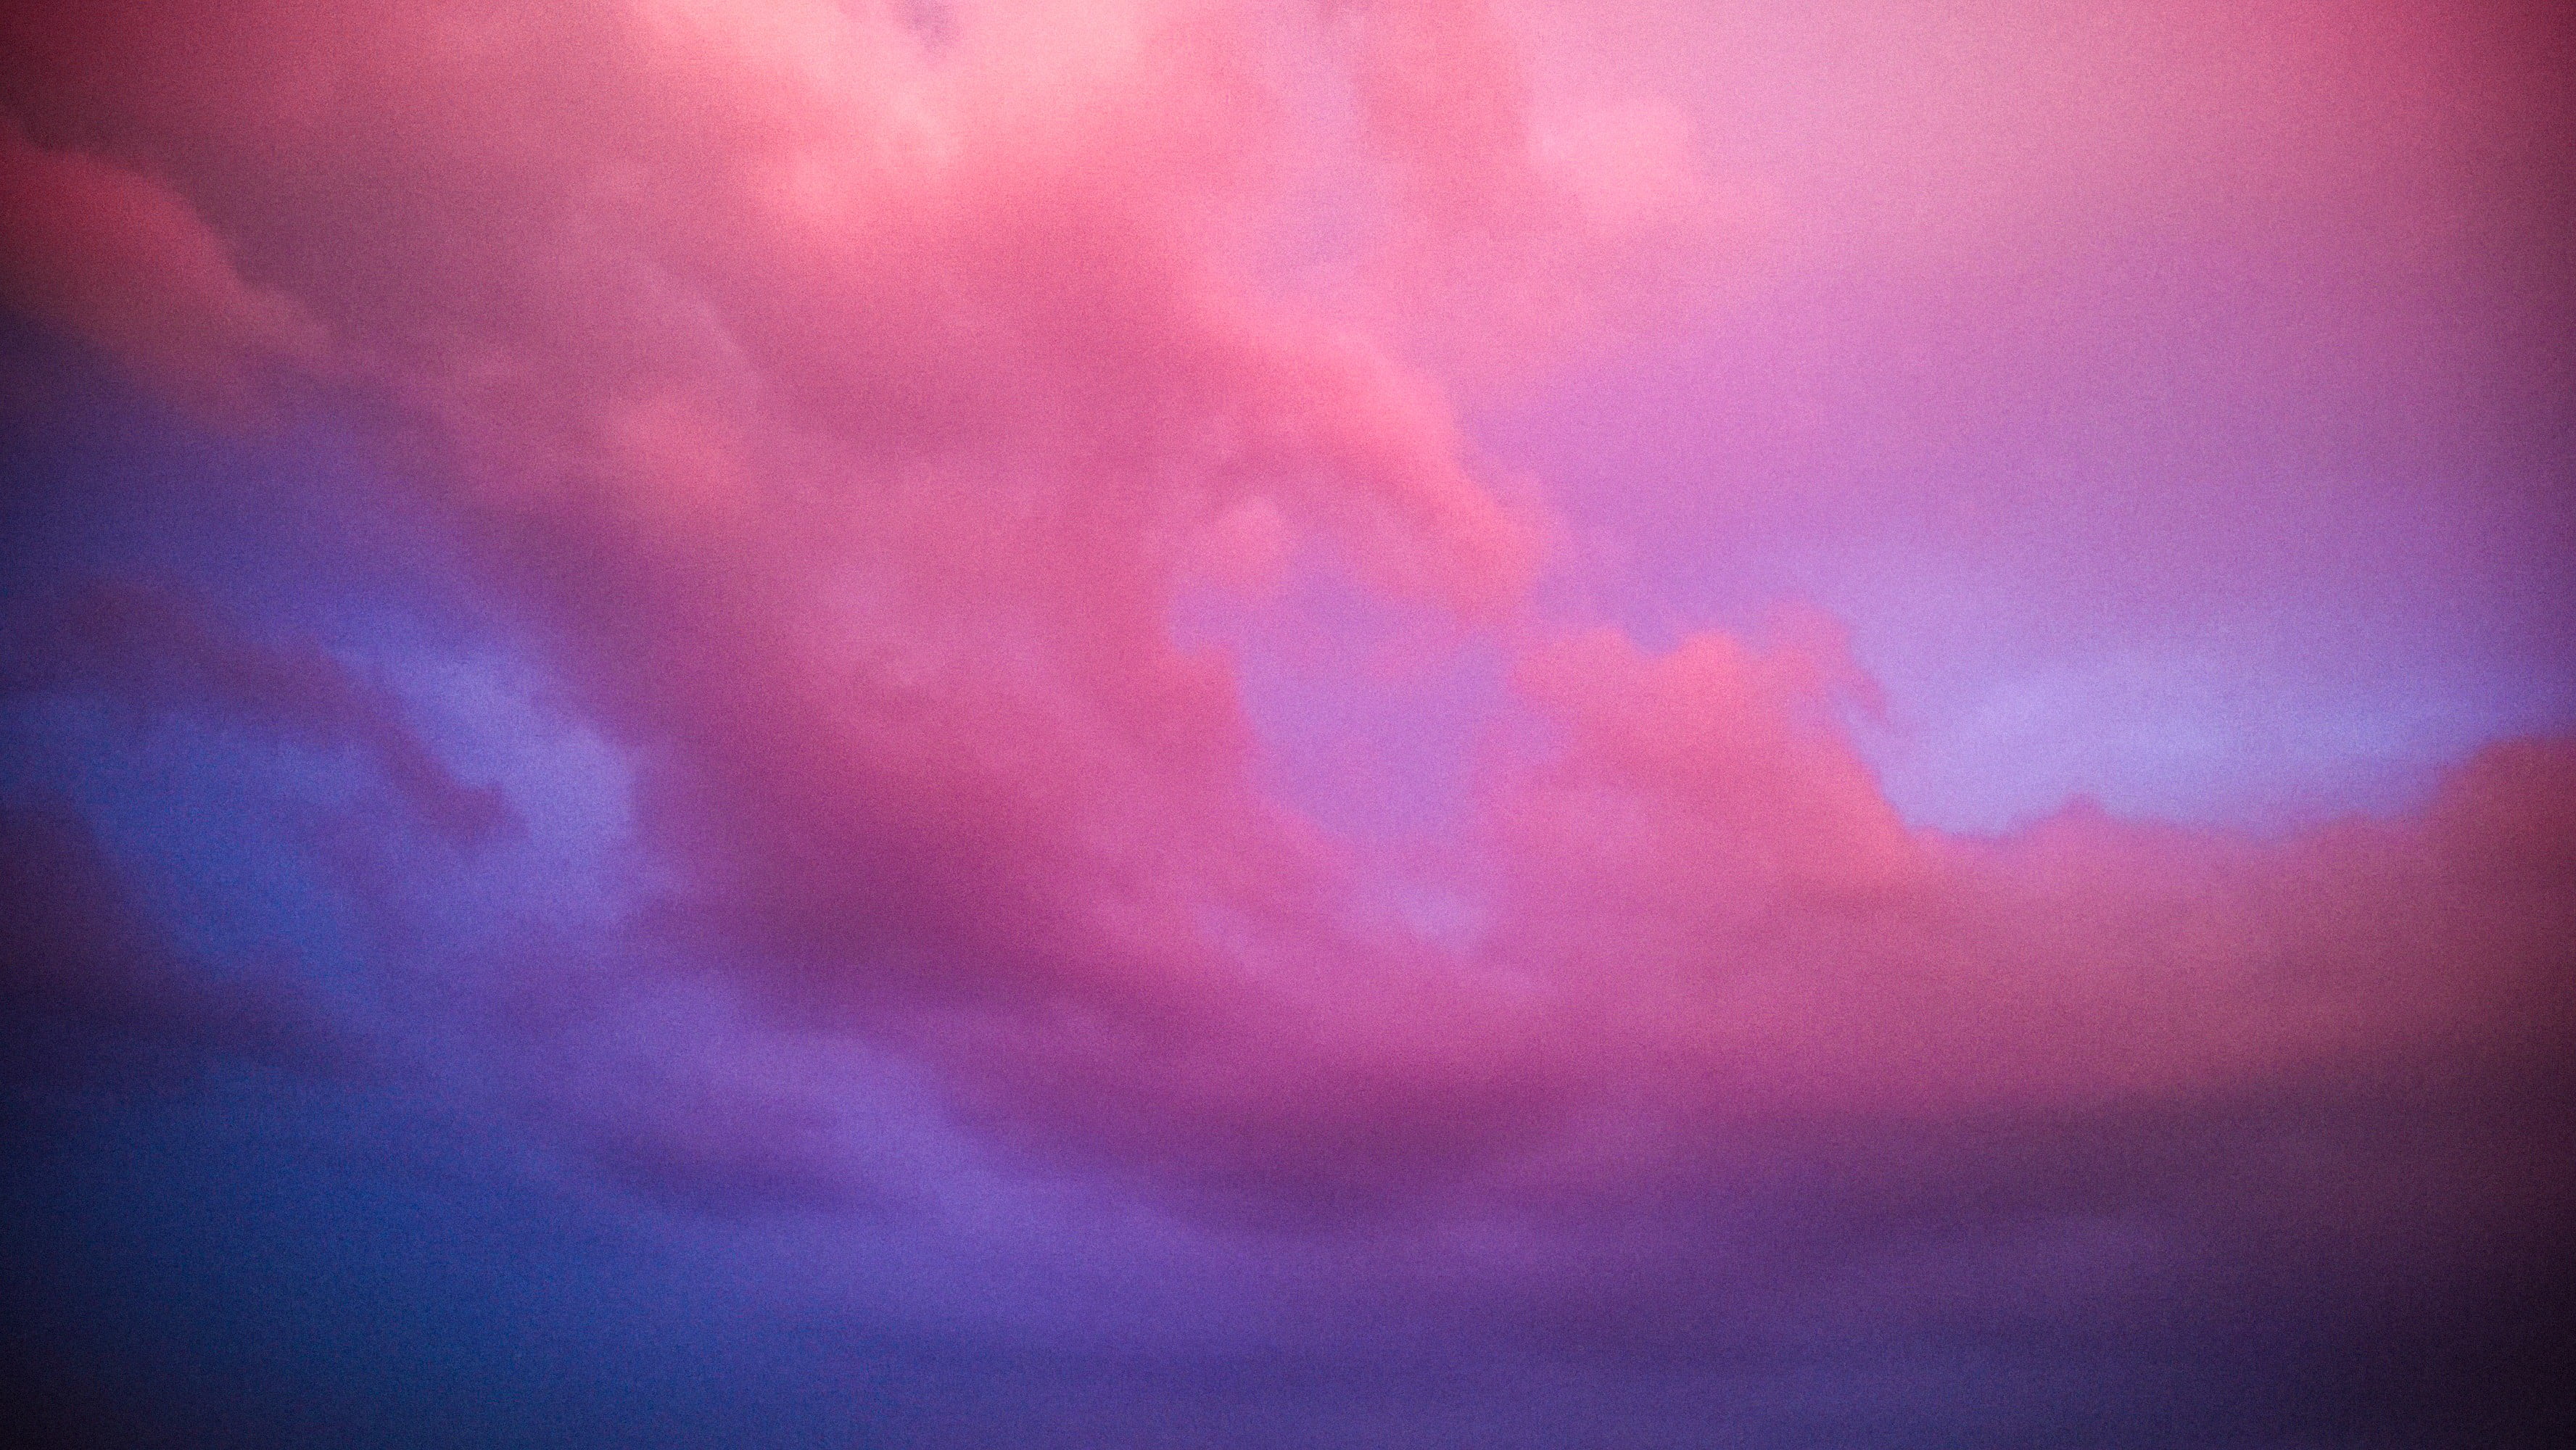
{"x":1384,"y":722}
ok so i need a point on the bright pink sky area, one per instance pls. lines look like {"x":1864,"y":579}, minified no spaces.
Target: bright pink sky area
{"x":2172,"y":399}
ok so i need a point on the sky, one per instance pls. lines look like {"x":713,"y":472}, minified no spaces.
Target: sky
{"x":1139,"y":723}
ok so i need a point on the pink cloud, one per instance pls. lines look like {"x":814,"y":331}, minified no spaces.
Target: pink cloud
{"x":1524,"y":215}
{"x":1712,"y":869}
{"x":839,"y":406}
{"x":115,"y":256}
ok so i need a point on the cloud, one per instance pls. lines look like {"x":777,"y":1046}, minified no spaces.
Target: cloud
{"x":1522,"y":218}
{"x":843,"y":407}
{"x":113,"y":255}
{"x":1711,"y":848}
{"x":834,"y":408}
{"x":154,"y":651}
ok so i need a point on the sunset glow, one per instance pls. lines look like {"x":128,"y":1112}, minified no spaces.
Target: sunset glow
{"x":1101,"y":723}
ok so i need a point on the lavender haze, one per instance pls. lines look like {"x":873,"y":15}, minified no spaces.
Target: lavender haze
{"x":1023,"y":723}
